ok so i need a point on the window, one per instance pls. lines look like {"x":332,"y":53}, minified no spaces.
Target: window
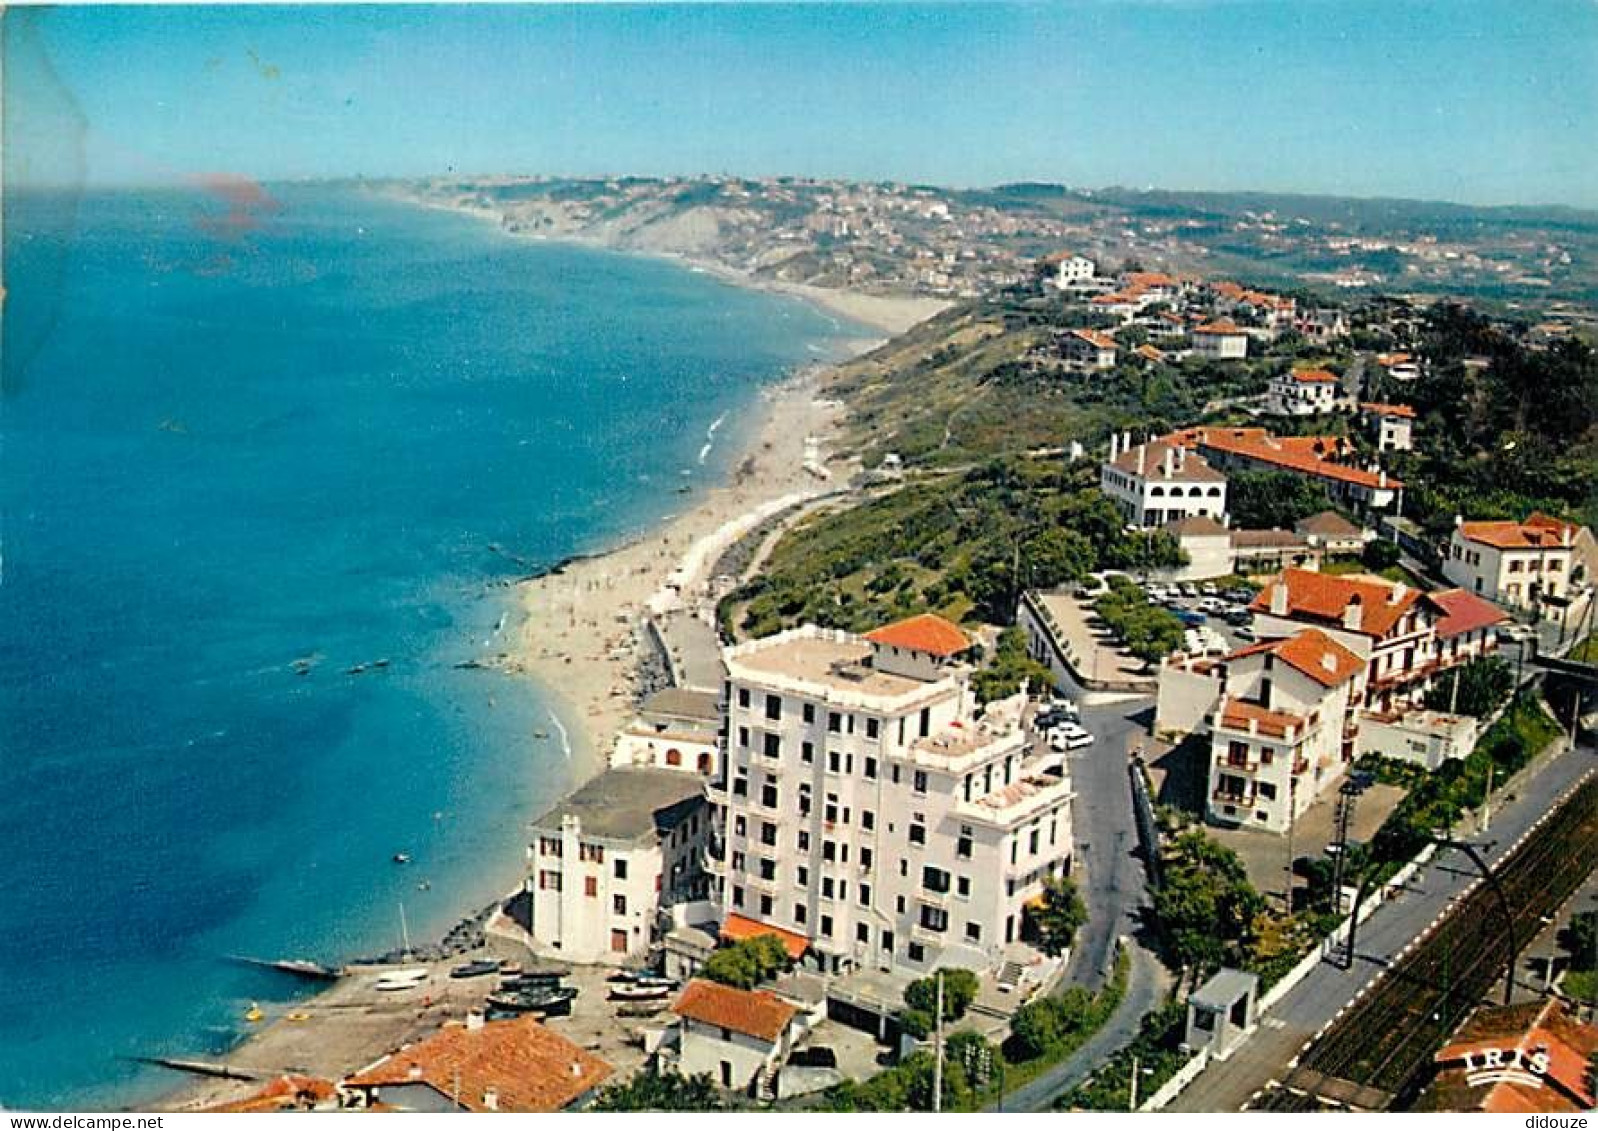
{"x":873,"y":728}
{"x":740,"y":785}
{"x":618,"y":941}
{"x":743,"y":738}
{"x":871,"y":768}
{"x":1237,"y":753}
{"x":834,"y":722}
{"x":829,"y":850}
{"x":915,"y":952}
{"x":765,"y":906}
{"x":549,"y":846}
{"x":831,"y":812}
{"x":743,"y":697}
{"x":826,"y":887}
{"x":1032,"y":842}
{"x":962,"y":886}
{"x":862,"y":933}
{"x":618,"y":904}
{"x":768,"y":869}
{"x":804,"y":876}
{"x":1267,"y":791}
{"x":804,"y":841}
{"x":768,"y":795}
{"x":807,"y":752}
{"x":826,"y":925}
{"x":549,"y":881}
{"x":865,"y":857}
{"x":919,"y":781}
{"x":864,"y":895}
{"x":962,"y":847}
{"x":810,"y":712}
{"x":773,"y":707}
{"x":771,"y":746}
{"x":799,"y":911}
{"x":768,"y":833}
{"x":935,"y":879}
{"x":740,"y":827}
{"x":868,"y":819}
{"x":593,"y":853}
{"x":591,"y":886}
{"x":918,"y":834}
{"x":619,"y":868}
{"x":898,"y":904}
{"x":737,"y":896}
{"x":834,"y":761}
{"x":973,"y":932}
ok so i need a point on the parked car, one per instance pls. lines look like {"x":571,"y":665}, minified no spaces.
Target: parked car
{"x":1075,"y":736}
{"x":1187,"y":590}
{"x":1208,"y":589}
{"x":1190,"y":619}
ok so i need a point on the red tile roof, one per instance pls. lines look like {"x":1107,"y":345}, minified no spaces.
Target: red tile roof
{"x":927,"y":632}
{"x":1235,"y":714}
{"x":753,"y":1013}
{"x":1529,"y":1030}
{"x":1095,"y":338}
{"x":1146,"y":279}
{"x":1465,"y":612}
{"x":1218,"y":329}
{"x":1312,"y":652}
{"x":1376,"y":408}
{"x":1539,"y":532}
{"x":1150,"y":352}
{"x":1323,"y":597}
{"x":1327,"y":523}
{"x":289,"y":1092}
{"x":1193,"y":467}
{"x":740,"y":927}
{"x":1315,"y":376}
{"x":524,"y":1065}
{"x":1307,"y":455}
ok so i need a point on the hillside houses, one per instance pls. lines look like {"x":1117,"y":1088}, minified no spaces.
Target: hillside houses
{"x":1302,"y":392}
{"x":1157,"y":482}
{"x":1542,"y":565}
{"x":1328,"y":460}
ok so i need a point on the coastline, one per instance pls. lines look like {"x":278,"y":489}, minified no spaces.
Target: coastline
{"x":579,"y":638}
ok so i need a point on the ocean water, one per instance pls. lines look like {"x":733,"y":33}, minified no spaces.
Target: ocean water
{"x":240,"y":431}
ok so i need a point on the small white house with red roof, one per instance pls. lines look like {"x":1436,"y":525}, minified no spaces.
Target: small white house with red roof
{"x":1302,"y":392}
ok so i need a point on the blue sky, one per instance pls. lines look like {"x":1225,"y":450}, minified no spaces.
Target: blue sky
{"x":1480,"y":102}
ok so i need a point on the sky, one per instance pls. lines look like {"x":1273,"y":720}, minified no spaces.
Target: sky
{"x":1476,"y":101}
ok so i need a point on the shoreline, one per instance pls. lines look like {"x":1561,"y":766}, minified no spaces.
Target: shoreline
{"x":582,"y":619}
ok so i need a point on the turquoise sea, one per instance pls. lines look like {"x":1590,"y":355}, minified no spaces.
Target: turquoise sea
{"x":243,"y":430}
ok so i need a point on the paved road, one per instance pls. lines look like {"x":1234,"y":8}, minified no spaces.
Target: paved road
{"x":1145,"y":986}
{"x":1228,"y":1085}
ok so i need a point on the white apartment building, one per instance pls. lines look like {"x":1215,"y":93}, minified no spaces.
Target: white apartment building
{"x":604,"y":861}
{"x":1160,"y":482}
{"x":1302,"y":392}
{"x":675,"y":729}
{"x":1519,"y":564}
{"x":1088,"y":349}
{"x":870,"y":808}
{"x":1072,"y":270}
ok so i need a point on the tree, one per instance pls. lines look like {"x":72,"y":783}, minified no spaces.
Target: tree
{"x":1206,"y":904}
{"x":1580,"y":938}
{"x":1477,"y":689}
{"x":1054,"y":557}
{"x":747,"y":963}
{"x":1268,"y":500}
{"x":1046,"y":1023}
{"x":920,"y":999}
{"x":1058,"y":916}
{"x":654,"y":1090}
{"x":1380,"y":554}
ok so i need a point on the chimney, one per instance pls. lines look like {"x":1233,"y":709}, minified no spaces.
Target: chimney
{"x":1459,"y":520}
{"x":1329,"y":663}
{"x":1126,"y":442}
{"x":414,"y":1072}
{"x":1181,"y":457}
{"x":1354,"y":613}
{"x":491,"y":1099}
{"x":1113,"y":440}
{"x":1142,"y":456}
{"x":1397,"y":593}
{"x":1381,"y":479}
{"x":474,"y":1020}
{"x":1169,"y":462}
{"x":1279,"y":599}
{"x":577,"y":1070}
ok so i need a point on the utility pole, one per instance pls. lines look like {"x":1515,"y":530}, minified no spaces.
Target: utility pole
{"x":1131,"y":1099}
{"x":1486,"y":819}
{"x":1292,"y":814}
{"x":937,"y":1041}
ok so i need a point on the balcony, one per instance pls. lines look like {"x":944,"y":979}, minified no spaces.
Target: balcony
{"x":1246,"y":766}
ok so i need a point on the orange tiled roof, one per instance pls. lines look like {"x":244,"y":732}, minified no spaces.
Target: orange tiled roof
{"x":1465,"y":612}
{"x":1235,"y":714}
{"x":1312,"y":652}
{"x":1143,"y":280}
{"x":1322,"y":597}
{"x":289,"y":1092}
{"x":753,"y":1013}
{"x":1308,"y":455}
{"x":926,"y":632}
{"x":1387,"y":360}
{"x":1095,"y":338}
{"x":1529,"y":1028}
{"x":740,"y":927}
{"x":1221,"y":328}
{"x":1114,"y":300}
{"x":1539,"y":532}
{"x":1377,"y":408}
{"x":1150,"y":353}
{"x":527,"y":1067}
{"x":1315,"y":376}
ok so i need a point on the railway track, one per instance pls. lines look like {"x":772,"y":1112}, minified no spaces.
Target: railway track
{"x":1378,"y":1050}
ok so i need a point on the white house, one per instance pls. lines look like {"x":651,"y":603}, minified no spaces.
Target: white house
{"x":1532,"y":565}
{"x":1302,"y":392}
{"x":1333,"y":534}
{"x":740,"y":1038}
{"x":1426,"y":738}
{"x":1392,"y":426}
{"x":604,"y":861}
{"x":1088,"y":349}
{"x":1071,"y":270}
{"x":1207,"y":544}
{"x":675,"y":729}
{"x":1329,"y":460}
{"x":871,"y":809}
{"x":1158,"y":482}
{"x":1221,"y":341}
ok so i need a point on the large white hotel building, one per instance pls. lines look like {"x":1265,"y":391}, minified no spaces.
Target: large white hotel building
{"x":870,"y":808}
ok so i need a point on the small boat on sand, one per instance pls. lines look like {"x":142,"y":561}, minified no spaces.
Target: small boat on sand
{"x":641,"y":991}
{"x":477,"y":968}
{"x":407,"y":979}
{"x":551,"y":1001}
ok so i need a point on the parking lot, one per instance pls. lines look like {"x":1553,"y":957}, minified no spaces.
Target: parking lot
{"x":1217,"y":619}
